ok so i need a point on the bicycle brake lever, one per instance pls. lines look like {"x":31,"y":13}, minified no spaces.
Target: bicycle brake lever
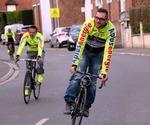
{"x":71,"y":77}
{"x":102,"y":83}
{"x":73,"y":74}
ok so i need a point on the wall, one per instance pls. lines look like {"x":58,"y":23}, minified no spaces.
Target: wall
{"x":70,"y":12}
{"x":24,"y":4}
{"x":37,"y":14}
{"x":114,"y":16}
{"x":136,"y":41}
{"x":2,"y":5}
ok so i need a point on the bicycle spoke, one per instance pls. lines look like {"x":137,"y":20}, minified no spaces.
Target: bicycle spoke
{"x":27,"y":88}
{"x":83,"y":96}
{"x":76,"y":110}
{"x":37,"y":86}
{"x":79,"y":107}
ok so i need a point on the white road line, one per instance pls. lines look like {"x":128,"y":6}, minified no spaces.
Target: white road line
{"x":42,"y":121}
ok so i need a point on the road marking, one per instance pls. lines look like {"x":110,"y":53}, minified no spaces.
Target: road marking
{"x":42,"y":121}
{"x":12,"y":73}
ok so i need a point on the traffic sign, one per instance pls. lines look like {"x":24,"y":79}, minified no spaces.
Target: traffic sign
{"x":55,"y":13}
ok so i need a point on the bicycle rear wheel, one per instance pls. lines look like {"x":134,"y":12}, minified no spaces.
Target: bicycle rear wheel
{"x":27,"y":87}
{"x":11,"y":57}
{"x":37,"y":86}
{"x":11,"y":52}
{"x":79,"y":107}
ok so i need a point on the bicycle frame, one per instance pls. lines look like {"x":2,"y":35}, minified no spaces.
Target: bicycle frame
{"x":30,"y":83}
{"x":78,"y":108}
{"x":30,"y":67}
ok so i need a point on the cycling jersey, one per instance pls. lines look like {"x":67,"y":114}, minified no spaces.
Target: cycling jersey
{"x":91,"y":36}
{"x":35,"y":44}
{"x":10,"y":36}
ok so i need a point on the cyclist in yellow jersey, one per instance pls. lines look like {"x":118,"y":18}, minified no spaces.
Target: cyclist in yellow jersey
{"x":94,"y":48}
{"x":35,"y":43}
{"x":10,"y":38}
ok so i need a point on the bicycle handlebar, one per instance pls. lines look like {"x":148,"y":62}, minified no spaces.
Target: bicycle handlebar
{"x":34,"y":60}
{"x":91,"y":75}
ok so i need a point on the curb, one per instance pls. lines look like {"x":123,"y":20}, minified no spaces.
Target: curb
{"x":13,"y":69}
{"x":134,"y":54}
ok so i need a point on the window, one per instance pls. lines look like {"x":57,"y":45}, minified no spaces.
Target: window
{"x":122,"y":5}
{"x":99,"y":3}
{"x":11,"y":7}
{"x":109,"y":1}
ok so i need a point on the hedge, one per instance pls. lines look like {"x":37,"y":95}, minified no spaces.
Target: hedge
{"x":138,"y":15}
{"x":24,"y":16}
{"x":2,"y":22}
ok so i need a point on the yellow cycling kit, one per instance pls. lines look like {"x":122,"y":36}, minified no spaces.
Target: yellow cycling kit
{"x":95,"y":39}
{"x":10,"y":35}
{"x":35,"y":44}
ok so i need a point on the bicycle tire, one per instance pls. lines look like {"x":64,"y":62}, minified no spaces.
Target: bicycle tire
{"x":80,"y":104}
{"x":11,"y":57}
{"x":27,"y":85}
{"x":37,"y":86}
{"x":11,"y":52}
{"x":84,"y":96}
{"x":76,"y":107}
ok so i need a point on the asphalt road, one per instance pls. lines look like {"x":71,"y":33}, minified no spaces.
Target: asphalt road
{"x":124,"y":101}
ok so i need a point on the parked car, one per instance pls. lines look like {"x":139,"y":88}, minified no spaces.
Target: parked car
{"x":73,"y":37}
{"x":59,"y":37}
{"x":24,"y":29}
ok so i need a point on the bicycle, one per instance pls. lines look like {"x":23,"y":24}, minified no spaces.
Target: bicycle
{"x":11,"y":51}
{"x":31,"y":80}
{"x":77,"y":109}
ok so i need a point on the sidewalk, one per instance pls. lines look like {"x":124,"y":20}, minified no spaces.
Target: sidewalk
{"x":132,"y":51}
{"x":7,"y":71}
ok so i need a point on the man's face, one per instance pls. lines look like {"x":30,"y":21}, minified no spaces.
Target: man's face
{"x":100,"y":19}
{"x":32,"y":32}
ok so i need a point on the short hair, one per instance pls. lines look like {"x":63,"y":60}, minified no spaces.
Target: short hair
{"x":103,"y":10}
{"x":34,"y":27}
{"x":9,"y":29}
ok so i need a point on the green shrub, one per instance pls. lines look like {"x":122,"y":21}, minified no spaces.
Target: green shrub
{"x":27,"y":17}
{"x":2,"y":22}
{"x":24,"y":16}
{"x":138,"y":15}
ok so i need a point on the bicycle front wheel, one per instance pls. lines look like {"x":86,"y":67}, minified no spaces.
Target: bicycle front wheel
{"x":37,"y":85}
{"x":83,"y":102}
{"x":79,"y":107}
{"x":27,"y":87}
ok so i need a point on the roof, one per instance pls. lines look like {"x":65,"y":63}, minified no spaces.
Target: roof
{"x":11,"y":2}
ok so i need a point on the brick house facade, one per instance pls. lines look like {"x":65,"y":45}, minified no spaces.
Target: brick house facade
{"x":114,"y":16}
{"x":20,"y":4}
{"x":37,"y":13}
{"x":71,"y":12}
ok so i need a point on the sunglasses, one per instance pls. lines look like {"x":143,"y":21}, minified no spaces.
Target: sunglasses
{"x":97,"y":18}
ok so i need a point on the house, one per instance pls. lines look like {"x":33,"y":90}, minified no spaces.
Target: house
{"x":12,"y":5}
{"x":76,"y":12}
{"x":127,"y":38}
